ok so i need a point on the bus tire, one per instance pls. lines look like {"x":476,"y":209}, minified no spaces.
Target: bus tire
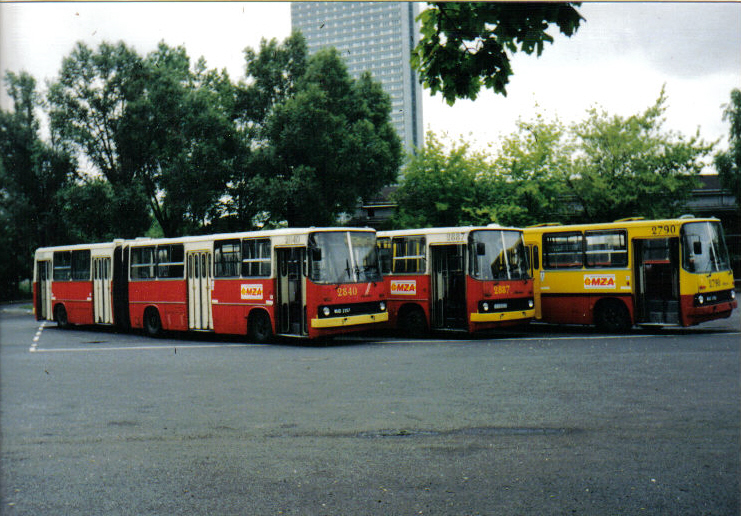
{"x":412,"y":321}
{"x":152,"y":322}
{"x":60,"y":315}
{"x":259,"y":327}
{"x":612,"y":316}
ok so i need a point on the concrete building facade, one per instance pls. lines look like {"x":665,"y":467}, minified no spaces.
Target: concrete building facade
{"x":373,"y":36}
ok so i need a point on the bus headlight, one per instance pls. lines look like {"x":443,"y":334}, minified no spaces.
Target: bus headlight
{"x":530,"y":303}
{"x":326,"y":311}
{"x":733,"y":294}
{"x":700,"y":299}
{"x":485,"y":306}
{"x":382,"y":306}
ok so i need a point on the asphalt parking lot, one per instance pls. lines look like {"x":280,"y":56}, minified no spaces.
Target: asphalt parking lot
{"x":547,"y":421}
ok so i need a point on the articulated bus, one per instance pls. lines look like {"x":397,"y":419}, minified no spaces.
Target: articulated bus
{"x":645,"y":272}
{"x":292,"y":282}
{"x":461,"y":278}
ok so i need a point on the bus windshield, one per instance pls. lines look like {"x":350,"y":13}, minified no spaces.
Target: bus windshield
{"x":343,"y":257}
{"x":704,"y":248}
{"x":498,"y":255}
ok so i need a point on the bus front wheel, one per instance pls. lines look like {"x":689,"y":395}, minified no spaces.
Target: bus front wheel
{"x":412,"y":322}
{"x":612,"y":316}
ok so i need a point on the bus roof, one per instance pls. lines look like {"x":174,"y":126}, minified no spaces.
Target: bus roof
{"x":204,"y":238}
{"x":629,"y":223}
{"x":440,"y":231}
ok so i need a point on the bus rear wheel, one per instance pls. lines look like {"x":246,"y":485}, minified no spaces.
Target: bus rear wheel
{"x":152,"y":322}
{"x":612,"y":316}
{"x":259,"y":328}
{"x":60,"y":315}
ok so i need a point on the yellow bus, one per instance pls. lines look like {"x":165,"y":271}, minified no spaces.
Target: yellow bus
{"x":673,"y":272}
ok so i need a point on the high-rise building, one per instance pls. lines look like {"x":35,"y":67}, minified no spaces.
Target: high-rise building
{"x":373,"y":36}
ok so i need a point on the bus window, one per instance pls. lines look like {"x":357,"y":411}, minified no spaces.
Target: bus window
{"x":365,"y":256}
{"x":384,"y":254}
{"x":606,"y":249}
{"x":142,"y":263}
{"x":62,"y":265}
{"x":498,"y":255}
{"x":408,"y":255}
{"x":562,"y":251}
{"x":704,"y":248}
{"x":256,"y":258}
{"x":227,"y":258}
{"x":170,"y":261}
{"x":81,"y":265}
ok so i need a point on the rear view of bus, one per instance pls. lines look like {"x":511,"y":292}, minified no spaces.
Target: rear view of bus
{"x":467,"y":278}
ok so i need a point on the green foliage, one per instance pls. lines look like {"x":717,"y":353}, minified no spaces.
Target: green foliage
{"x":159,"y":131}
{"x":728,"y":163}
{"x":527,"y":178}
{"x":441,"y":188}
{"x":31,"y":175}
{"x":325,"y":139}
{"x":632,"y":167}
{"x":602,"y":169}
{"x":465,"y":45}
{"x":88,"y":110}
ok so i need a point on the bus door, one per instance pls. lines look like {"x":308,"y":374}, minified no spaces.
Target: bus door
{"x":102,"y":309}
{"x":537,"y":276}
{"x":448,"y":287}
{"x":290,"y":291}
{"x":200,"y":316}
{"x":43,"y":289}
{"x":656,"y":280}
{"x":121,"y":287}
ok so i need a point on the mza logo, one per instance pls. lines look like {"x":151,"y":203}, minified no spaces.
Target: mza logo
{"x":252,"y":291}
{"x":599,"y":281}
{"x":404,"y":287}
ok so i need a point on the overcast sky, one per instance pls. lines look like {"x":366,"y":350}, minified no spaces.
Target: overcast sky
{"x":619,"y":58}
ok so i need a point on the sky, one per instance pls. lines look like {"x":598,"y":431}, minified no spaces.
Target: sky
{"x":618,"y":60}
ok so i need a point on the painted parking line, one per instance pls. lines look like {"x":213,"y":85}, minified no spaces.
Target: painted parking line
{"x":35,"y":342}
{"x":142,"y":348}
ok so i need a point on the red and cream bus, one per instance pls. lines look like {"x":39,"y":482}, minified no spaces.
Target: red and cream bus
{"x":458,"y":278}
{"x":311,"y":283}
{"x":672,"y":272}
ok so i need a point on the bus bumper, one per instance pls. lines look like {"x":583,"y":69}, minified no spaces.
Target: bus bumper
{"x":699,"y":314}
{"x":495,"y":317}
{"x":351,"y":320}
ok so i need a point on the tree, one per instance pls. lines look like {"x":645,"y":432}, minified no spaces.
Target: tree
{"x":632,"y":167}
{"x":465,"y":45}
{"x":527,"y":178}
{"x":32,"y":173}
{"x":728,"y":163}
{"x":324,"y":139}
{"x":441,"y":188}
{"x":88,"y":108}
{"x":158,"y":131}
{"x":184,"y":137}
{"x":602,"y":169}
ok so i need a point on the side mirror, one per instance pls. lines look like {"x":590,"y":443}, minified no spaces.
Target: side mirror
{"x":480,"y":249}
{"x":316,"y":254}
{"x":697,"y":247}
